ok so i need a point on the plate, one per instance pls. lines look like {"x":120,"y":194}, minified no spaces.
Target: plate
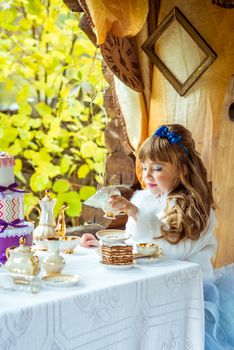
{"x":61,"y":280}
{"x":118,"y":267}
{"x":113,"y":236}
{"x":35,"y":248}
{"x":150,"y":260}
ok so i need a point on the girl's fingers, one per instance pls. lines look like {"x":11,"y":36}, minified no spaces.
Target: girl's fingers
{"x":86,"y":238}
{"x":92,"y":243}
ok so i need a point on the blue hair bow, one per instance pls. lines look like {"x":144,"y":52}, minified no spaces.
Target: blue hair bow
{"x":172,"y":137}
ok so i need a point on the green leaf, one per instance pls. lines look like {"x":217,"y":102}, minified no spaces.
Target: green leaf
{"x":39,"y":182}
{"x":24,"y":134}
{"x":65,"y":164}
{"x":74,"y":209}
{"x":42,"y":108}
{"x":88,"y":149}
{"x":21,"y":177}
{"x":35,"y":123}
{"x":61,"y":186}
{"x":72,"y":199}
{"x":29,"y":201}
{"x":79,"y":75}
{"x":10,"y":134}
{"x":99,"y":179}
{"x":51,"y":169}
{"x":72,"y":169}
{"x":83,"y":171}
{"x":22,"y":95}
{"x":18,"y":166}
{"x":99,"y":167}
{"x":100,"y":155}
{"x":86,"y":192}
{"x":25,"y":108}
{"x":15,"y":149}
{"x":18,"y":170}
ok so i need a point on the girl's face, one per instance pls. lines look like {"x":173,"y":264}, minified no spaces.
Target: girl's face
{"x":159,"y":177}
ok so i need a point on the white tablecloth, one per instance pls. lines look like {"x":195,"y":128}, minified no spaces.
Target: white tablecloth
{"x":155,"y":306}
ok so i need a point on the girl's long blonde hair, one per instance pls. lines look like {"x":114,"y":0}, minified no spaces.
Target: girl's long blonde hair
{"x":189,"y":217}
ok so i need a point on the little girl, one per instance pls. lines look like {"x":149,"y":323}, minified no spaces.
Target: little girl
{"x":176,"y":211}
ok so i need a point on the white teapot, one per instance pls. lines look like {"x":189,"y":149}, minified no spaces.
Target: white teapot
{"x":21,"y":260}
{"x":47,"y":224}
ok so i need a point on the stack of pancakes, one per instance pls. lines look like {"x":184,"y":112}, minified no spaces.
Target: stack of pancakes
{"x":121,"y":254}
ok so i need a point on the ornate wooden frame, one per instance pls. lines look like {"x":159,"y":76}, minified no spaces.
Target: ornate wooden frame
{"x":148,"y":47}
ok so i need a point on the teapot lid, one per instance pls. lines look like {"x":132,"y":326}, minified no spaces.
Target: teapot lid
{"x":23,"y":248}
{"x":47,"y":197}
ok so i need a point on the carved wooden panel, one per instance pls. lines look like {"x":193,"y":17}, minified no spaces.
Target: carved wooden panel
{"x":107,"y":73}
{"x":120,"y":169}
{"x":113,"y":137}
{"x":86,"y":25}
{"x":109,"y":104}
{"x":73,"y":5}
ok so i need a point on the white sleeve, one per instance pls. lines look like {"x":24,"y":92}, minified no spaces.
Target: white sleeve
{"x":144,"y":228}
{"x":181,"y":250}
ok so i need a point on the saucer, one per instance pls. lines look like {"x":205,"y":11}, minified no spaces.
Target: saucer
{"x":149,"y":260}
{"x":61,"y":280}
{"x":113,"y":236}
{"x":36,"y":247}
{"x":118,"y":267}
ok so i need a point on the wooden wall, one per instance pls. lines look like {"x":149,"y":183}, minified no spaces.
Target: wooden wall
{"x":202,"y":110}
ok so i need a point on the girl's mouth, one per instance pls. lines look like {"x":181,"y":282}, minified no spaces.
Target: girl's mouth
{"x":151,"y":185}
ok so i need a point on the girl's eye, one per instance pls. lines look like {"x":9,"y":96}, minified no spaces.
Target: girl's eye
{"x":152,"y":169}
{"x":157,"y":169}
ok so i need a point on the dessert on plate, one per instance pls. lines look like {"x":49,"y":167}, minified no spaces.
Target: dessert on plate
{"x":119,"y":254}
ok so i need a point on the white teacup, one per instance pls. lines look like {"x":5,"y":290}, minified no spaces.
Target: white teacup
{"x":40,"y":244}
{"x":109,"y":211}
{"x":147,"y":249}
{"x":69,"y":243}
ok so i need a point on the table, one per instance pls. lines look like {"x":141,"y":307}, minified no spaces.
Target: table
{"x":153,"y":306}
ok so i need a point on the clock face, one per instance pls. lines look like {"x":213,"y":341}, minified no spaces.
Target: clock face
{"x":120,"y":57}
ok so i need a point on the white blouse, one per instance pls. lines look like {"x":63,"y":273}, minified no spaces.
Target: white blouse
{"x":147,"y":228}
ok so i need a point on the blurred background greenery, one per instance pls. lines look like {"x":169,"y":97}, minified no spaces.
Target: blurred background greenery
{"x":51,"y":103}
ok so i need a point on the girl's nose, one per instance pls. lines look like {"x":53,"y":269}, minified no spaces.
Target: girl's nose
{"x":148,"y":173}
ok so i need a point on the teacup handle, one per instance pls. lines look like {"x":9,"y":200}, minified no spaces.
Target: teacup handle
{"x":35,"y":262}
{"x":160,"y":252}
{"x":8,"y":251}
{"x":35,"y":259}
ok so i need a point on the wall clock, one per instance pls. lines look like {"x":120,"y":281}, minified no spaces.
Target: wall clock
{"x":120,"y":57}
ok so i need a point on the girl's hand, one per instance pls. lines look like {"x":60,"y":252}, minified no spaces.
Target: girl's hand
{"x":88,"y":240}
{"x":123,"y":204}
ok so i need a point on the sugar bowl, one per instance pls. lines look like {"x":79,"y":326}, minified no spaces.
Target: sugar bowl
{"x":21,"y":260}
